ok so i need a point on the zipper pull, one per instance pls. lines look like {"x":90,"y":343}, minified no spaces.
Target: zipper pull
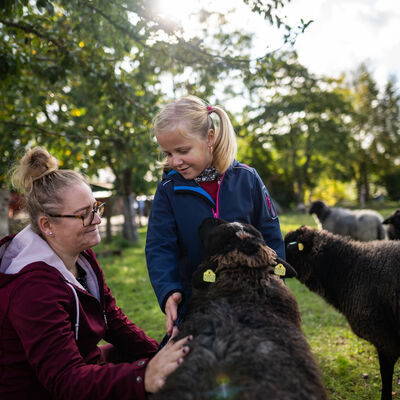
{"x":105,"y":319}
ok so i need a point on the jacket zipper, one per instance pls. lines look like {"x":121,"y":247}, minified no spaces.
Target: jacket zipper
{"x":216,"y":213}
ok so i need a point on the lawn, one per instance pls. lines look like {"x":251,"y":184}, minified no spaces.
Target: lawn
{"x":349,"y":365}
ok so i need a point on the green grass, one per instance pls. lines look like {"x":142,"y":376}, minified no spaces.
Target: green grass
{"x":348,"y":364}
{"x":128,"y":279}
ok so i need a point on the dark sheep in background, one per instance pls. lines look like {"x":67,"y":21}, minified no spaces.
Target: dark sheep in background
{"x":361,"y":280}
{"x":363,"y":225}
{"x":247,"y":343}
{"x":393,"y":223}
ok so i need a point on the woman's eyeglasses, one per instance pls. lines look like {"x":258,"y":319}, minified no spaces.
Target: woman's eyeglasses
{"x":86,"y":218}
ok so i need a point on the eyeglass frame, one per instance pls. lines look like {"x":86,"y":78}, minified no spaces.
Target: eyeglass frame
{"x":99,"y":205}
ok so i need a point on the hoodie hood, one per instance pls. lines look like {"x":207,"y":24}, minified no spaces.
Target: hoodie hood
{"x":28,"y":247}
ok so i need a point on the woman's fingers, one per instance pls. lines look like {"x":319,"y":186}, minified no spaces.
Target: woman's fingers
{"x":177,"y":351}
{"x":165,"y":362}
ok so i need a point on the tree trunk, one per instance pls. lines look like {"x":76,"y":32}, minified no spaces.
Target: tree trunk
{"x":4,"y":206}
{"x":130,"y":228}
{"x":297,"y":181}
{"x":363,"y":186}
{"x":108,"y":211}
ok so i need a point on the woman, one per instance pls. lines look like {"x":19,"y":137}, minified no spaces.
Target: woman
{"x":55,"y":306}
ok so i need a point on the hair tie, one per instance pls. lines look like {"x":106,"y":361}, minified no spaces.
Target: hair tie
{"x":48,"y":171}
{"x":209,"y":109}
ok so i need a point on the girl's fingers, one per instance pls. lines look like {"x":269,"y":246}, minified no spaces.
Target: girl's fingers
{"x":174,"y":332}
{"x":169,"y":325}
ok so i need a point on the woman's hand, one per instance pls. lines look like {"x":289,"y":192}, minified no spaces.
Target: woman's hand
{"x":164,"y":363}
{"x":171,"y":310}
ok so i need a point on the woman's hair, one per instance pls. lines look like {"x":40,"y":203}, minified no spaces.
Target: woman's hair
{"x":38,"y":178}
{"x":192,"y":116}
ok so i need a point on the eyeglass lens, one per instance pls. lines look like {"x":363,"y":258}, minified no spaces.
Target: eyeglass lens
{"x":99,"y":209}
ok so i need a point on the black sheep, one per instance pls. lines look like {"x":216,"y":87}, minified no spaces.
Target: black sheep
{"x":361,"y":280}
{"x":247,"y":343}
{"x":394,"y":225}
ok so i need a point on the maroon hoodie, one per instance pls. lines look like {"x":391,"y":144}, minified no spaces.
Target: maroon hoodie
{"x":50,"y":327}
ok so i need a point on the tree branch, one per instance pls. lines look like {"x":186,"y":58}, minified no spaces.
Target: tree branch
{"x":31,"y":29}
{"x":193,"y":49}
{"x":64,"y":133}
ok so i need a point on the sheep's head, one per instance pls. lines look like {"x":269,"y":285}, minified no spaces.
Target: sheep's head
{"x":394,"y":219}
{"x":320,"y":209}
{"x":300,"y":250}
{"x":233,"y":245}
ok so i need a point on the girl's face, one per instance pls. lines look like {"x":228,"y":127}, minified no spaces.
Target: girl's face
{"x":188,"y":155}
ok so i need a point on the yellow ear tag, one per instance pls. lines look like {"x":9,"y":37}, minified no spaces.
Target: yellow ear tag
{"x":209,"y":276}
{"x":280,"y":270}
{"x":300,"y":246}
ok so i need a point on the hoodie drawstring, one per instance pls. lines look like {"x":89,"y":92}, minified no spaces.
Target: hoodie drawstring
{"x":77,"y":310}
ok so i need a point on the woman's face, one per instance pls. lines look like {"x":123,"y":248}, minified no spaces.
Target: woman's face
{"x":69,"y":234}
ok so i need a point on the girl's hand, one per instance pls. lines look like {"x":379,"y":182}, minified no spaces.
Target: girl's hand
{"x":164,"y":363}
{"x":171,"y":310}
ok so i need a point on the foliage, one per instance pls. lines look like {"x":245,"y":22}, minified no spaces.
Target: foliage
{"x":301,"y":130}
{"x":375,"y":127}
{"x":302,"y":119}
{"x":387,"y":142}
{"x":392,"y":184}
{"x":331,"y":191}
{"x":364,"y":126}
{"x":84,"y":79}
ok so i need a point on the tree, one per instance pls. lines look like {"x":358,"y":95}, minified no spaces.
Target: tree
{"x":64,"y":63}
{"x":301,"y":120}
{"x":387,"y":140}
{"x":83,"y":79}
{"x":364,"y":130}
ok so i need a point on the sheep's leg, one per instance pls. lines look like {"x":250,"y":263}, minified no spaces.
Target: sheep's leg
{"x":386,"y":367}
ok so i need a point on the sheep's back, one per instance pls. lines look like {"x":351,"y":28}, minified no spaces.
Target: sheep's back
{"x":261,"y":354}
{"x":340,"y":221}
{"x":362,"y":280}
{"x":363,"y":225}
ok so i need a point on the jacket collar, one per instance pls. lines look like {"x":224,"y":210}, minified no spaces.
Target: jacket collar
{"x":177,"y":177}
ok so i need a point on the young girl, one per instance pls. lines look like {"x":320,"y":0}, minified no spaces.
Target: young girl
{"x":202,"y":179}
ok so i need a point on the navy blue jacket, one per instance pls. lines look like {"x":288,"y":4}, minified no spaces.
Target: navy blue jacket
{"x":173,"y":247}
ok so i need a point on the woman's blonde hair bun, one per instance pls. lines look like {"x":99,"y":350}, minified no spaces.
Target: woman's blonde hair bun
{"x":35,"y":164}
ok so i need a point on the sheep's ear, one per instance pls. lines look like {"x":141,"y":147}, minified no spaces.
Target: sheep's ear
{"x":204,"y":276}
{"x":295,"y":245}
{"x":387,"y":221}
{"x":284,"y":269}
